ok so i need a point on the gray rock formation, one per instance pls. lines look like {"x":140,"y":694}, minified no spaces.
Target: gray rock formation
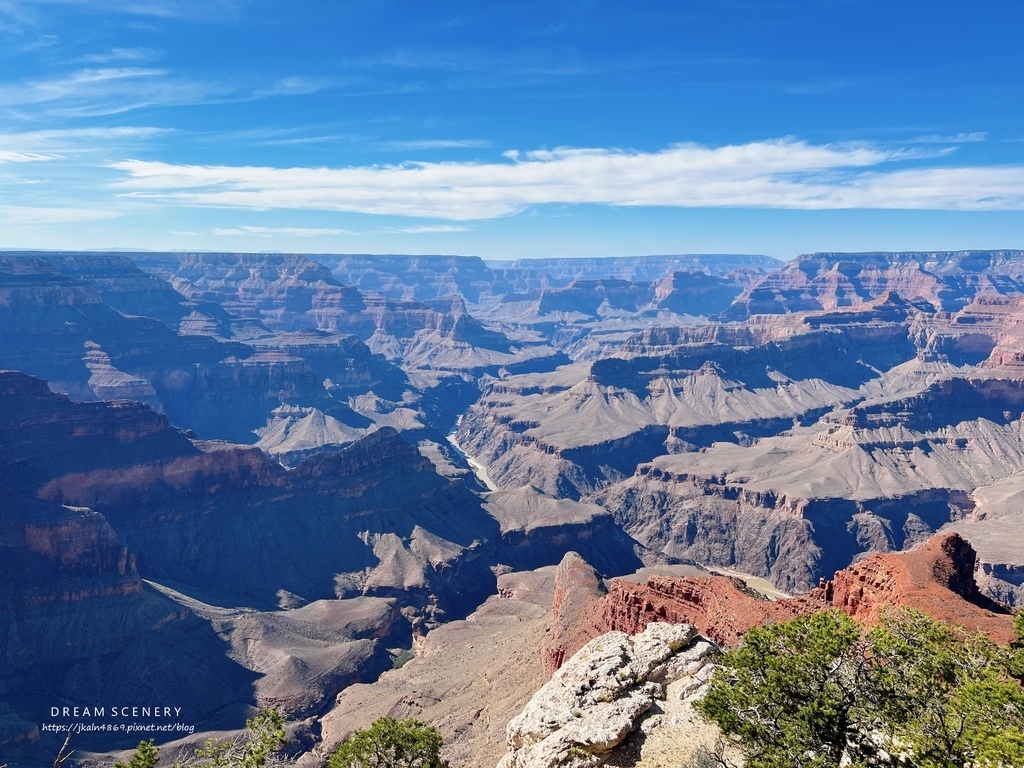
{"x":598,"y":697}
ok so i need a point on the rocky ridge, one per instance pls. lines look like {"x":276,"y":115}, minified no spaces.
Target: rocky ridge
{"x":937,"y":579}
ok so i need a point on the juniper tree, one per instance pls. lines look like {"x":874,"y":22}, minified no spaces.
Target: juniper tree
{"x":391,"y":743}
{"x":818,"y":692}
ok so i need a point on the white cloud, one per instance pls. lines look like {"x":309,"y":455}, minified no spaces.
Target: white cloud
{"x":426,"y":229}
{"x":74,"y":84}
{"x":109,"y":90}
{"x":185,"y":10}
{"x":121,"y":54}
{"x":106,"y":91}
{"x":274,"y":231}
{"x":784,"y":173}
{"x":24,"y":214}
{"x":13,"y":156}
{"x":436,"y":144}
{"x":76,"y":139}
{"x":295,"y":86}
{"x":956,"y":138}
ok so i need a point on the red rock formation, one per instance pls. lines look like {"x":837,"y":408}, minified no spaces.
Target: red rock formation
{"x":937,"y":579}
{"x":715,"y":605}
{"x":576,"y":611}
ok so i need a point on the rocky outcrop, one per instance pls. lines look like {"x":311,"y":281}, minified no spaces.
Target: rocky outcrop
{"x":720,"y":607}
{"x":937,"y":579}
{"x":598,"y":697}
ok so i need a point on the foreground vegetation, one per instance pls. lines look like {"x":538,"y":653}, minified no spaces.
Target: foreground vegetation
{"x":388,"y":743}
{"x":391,"y":743}
{"x":264,"y":737}
{"x":819,"y":691}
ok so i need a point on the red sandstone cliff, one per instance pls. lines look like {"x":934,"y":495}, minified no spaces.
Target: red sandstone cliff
{"x":937,"y":579}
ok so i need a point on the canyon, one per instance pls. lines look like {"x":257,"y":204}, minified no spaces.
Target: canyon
{"x":288,"y":473}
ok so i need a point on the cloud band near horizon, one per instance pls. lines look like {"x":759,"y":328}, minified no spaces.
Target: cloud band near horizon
{"x":782,"y":174}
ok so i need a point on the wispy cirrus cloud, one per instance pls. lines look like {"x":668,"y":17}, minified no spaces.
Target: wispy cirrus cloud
{"x":956,"y":138}
{"x":274,"y":231}
{"x":784,"y":173}
{"x":120,"y":54}
{"x":78,"y":139}
{"x":206,"y":11}
{"x":109,"y":90}
{"x":428,"y":229}
{"x":29,"y":215}
{"x":13,"y":156}
{"x":418,"y":144}
{"x":75,"y":84}
{"x":105,"y":91}
{"x":297,"y":85}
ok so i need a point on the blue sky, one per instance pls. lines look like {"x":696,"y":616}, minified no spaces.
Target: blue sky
{"x":508,"y":129}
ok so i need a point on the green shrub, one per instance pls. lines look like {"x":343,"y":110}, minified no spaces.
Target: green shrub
{"x":145,"y":756}
{"x":391,"y":743}
{"x":818,"y":692}
{"x":265,"y":737}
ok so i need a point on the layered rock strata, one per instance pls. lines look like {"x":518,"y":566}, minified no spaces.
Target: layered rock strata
{"x":946,"y":279}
